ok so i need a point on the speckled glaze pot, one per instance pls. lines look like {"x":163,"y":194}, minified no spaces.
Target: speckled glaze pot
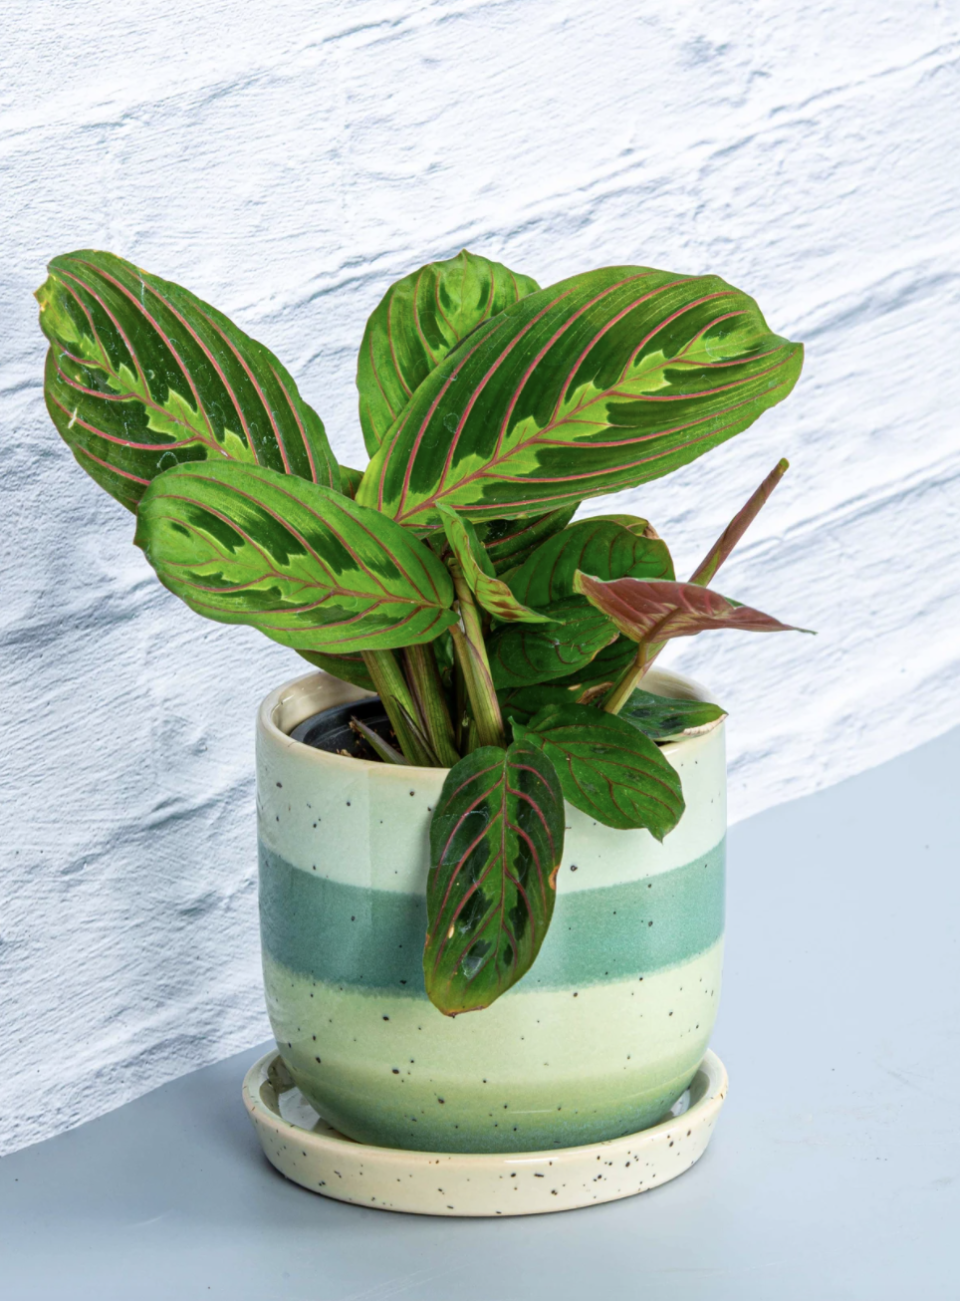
{"x":598,"y":1040}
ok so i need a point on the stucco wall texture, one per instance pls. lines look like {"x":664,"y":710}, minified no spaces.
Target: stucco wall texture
{"x":287,"y":161}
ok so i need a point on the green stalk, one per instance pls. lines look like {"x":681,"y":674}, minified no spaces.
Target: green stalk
{"x":427,"y":688}
{"x":626,"y":684}
{"x":472,"y":654}
{"x":397,"y":700}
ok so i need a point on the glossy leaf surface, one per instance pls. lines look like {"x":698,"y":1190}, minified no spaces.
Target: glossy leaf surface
{"x":661,"y":717}
{"x":417,"y":323}
{"x":307,"y":566}
{"x":492,"y":593}
{"x":608,"y":768}
{"x":528,"y":654}
{"x":601,"y":382}
{"x":142,"y":375}
{"x":496,"y":841}
{"x":657,"y":612}
{"x":599,"y":547}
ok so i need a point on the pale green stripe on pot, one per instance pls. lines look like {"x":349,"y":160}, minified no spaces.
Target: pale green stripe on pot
{"x":365,"y":824}
{"x":354,"y":935}
{"x":553,"y":1068}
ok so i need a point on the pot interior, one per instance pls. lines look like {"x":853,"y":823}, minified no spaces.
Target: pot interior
{"x":330,"y":729}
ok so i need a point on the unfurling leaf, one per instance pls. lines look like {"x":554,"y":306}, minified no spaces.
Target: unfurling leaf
{"x":508,"y":542}
{"x":735,"y":530}
{"x":599,"y":547}
{"x":496,"y":841}
{"x":308,"y":567}
{"x":527,"y":654}
{"x":662,"y":718}
{"x":416,"y":324}
{"x":601,"y":382}
{"x":656,"y":612}
{"x":142,"y":376}
{"x":492,"y":593}
{"x":608,"y":768}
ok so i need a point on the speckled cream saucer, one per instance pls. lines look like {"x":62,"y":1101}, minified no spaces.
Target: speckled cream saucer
{"x":307,"y":1150}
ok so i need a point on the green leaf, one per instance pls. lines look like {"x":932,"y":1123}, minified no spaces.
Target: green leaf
{"x":603,"y":670}
{"x":641,"y":527}
{"x":418,"y":321}
{"x":307,"y":566}
{"x":607,"y":768}
{"x":496,"y":841}
{"x":599,"y":547}
{"x":657,"y":612}
{"x":662,"y":718}
{"x":601,"y":382}
{"x":142,"y":376}
{"x":519,"y":704}
{"x":508,"y":542}
{"x":491,"y":592}
{"x":349,"y":481}
{"x":527,"y":654}
{"x":348,"y":668}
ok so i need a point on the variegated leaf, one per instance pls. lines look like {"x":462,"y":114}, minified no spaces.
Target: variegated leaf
{"x":509,"y":542}
{"x":491,"y":592}
{"x":656,"y":612}
{"x":527,"y":654}
{"x":599,"y":383}
{"x":417,"y":323}
{"x":607,"y":768}
{"x":599,"y":547}
{"x":496,"y":841}
{"x":350,"y":481}
{"x":142,"y":375}
{"x":307,"y":566}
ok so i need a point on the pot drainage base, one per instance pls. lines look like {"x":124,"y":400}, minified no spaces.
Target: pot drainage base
{"x":307,"y":1150}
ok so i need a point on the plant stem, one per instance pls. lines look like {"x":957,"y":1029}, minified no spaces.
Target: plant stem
{"x":395,"y":696}
{"x":648,"y":651}
{"x":424,"y":678}
{"x":626,"y":684}
{"x":472,"y":654}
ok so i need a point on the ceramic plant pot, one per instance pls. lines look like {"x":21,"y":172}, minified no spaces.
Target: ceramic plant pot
{"x":598,"y":1040}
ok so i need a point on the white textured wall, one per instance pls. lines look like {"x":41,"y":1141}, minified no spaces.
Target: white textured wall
{"x":286,"y":161}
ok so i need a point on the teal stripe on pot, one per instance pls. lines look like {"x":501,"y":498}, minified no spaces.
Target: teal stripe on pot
{"x":355,"y":936}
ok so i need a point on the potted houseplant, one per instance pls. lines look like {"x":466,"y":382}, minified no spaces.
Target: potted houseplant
{"x":486,"y":721}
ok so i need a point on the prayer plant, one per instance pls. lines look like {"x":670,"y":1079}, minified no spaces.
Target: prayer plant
{"x":506,"y":641}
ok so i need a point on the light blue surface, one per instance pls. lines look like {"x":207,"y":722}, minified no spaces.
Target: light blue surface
{"x":834,"y":1173}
